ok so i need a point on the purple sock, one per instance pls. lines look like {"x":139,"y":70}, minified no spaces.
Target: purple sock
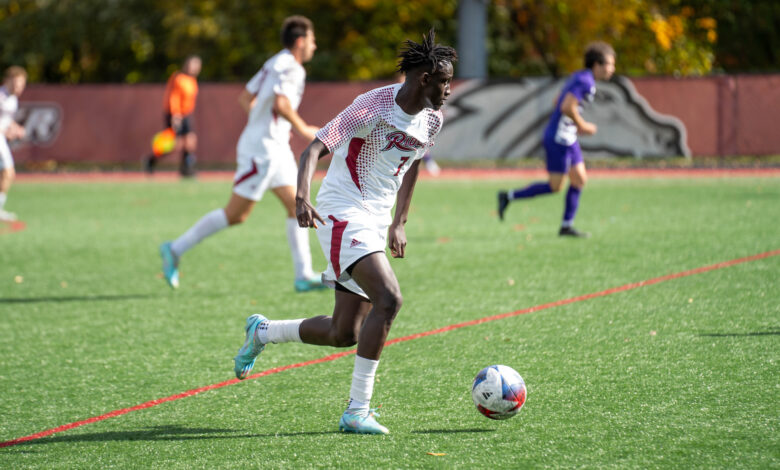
{"x":534,"y":189}
{"x":572,"y":202}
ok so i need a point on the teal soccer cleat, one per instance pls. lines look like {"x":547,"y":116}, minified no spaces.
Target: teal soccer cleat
{"x":170,"y":265}
{"x":361,"y":422}
{"x":308,"y":285}
{"x":245,"y":359}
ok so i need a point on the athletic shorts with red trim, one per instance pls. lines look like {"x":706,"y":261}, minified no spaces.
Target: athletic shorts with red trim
{"x":345,"y":239}
{"x":256,"y":173}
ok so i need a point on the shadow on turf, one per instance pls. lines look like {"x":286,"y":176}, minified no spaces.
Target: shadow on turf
{"x":163,"y":433}
{"x":80,"y":298}
{"x":753,"y":333}
{"x":451,"y":431}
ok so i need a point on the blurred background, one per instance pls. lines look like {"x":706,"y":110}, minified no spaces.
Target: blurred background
{"x":97,"y":69}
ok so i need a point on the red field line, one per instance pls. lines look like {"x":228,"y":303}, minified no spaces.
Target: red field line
{"x":332,"y":357}
{"x":446,"y":174}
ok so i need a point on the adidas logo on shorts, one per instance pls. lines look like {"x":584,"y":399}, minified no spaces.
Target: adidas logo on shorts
{"x":355,"y":243}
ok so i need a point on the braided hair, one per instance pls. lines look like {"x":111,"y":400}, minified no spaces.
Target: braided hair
{"x":428,"y":54}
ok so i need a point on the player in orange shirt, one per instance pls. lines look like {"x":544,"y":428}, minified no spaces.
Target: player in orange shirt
{"x":181,"y":93}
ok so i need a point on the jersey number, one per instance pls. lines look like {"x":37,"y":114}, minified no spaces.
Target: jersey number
{"x":403,"y":160}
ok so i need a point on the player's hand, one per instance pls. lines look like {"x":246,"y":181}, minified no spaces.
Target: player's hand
{"x":396,"y":241}
{"x":588,"y":128}
{"x":306,"y":214}
{"x":176,"y":122}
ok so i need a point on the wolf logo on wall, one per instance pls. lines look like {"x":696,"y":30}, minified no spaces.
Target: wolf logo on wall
{"x":506,"y":119}
{"x":41,"y":121}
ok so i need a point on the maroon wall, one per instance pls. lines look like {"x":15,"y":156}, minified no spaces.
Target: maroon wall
{"x":729,"y":115}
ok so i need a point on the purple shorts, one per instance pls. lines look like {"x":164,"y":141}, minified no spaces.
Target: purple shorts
{"x":562,"y":157}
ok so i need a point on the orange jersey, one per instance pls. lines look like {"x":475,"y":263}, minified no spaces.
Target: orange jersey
{"x":180,"y":94}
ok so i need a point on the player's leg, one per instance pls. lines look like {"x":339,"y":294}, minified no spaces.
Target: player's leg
{"x":251,"y":180}
{"x":298,"y":239}
{"x":556,"y":170}
{"x":376,"y":278}
{"x":552,"y":185}
{"x":577,"y":179}
{"x":189,"y":147}
{"x":7,"y":175}
{"x":338,"y":330}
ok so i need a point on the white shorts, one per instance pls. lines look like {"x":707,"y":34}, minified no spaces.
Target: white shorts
{"x":6,"y":159}
{"x":346,"y":239}
{"x":256,"y":173}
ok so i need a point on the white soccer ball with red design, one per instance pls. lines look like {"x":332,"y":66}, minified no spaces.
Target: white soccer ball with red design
{"x":498,"y":392}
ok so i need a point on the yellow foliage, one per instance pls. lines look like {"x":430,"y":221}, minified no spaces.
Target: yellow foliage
{"x":707,"y":23}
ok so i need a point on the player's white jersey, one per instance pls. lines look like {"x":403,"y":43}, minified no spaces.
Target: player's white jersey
{"x":8,"y":105}
{"x":374,"y":142}
{"x":265,"y":130}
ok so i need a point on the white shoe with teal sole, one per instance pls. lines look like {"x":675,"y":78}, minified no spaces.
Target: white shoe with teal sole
{"x":245,"y":359}
{"x":170,"y":265}
{"x":361,"y":422}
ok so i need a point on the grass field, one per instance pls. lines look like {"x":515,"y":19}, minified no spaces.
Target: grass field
{"x":683,"y":373}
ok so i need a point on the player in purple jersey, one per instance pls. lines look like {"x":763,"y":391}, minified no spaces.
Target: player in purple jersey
{"x":377,"y":144}
{"x":560,"y":138}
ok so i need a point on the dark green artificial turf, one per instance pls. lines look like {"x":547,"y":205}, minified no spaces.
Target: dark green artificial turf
{"x":679,"y":374}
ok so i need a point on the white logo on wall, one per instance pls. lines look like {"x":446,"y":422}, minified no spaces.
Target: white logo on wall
{"x":41,"y":121}
{"x":506,"y":120}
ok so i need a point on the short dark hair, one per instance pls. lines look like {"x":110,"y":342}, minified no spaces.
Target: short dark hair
{"x":427,"y":54}
{"x":295,"y":27}
{"x":596,"y":53}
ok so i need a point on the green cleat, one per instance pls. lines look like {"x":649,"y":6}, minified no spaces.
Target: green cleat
{"x":245,"y":359}
{"x":361,"y":422}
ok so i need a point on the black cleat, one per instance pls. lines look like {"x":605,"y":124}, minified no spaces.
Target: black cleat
{"x":149,"y":164}
{"x":187,"y":168}
{"x":572,"y":232}
{"x":503,"y":202}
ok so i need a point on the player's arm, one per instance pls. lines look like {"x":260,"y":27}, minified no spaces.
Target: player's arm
{"x":396,"y":234}
{"x":175,"y":104}
{"x":283,"y":108}
{"x":304,"y":211}
{"x":570,"y":108}
{"x":15,"y":131}
{"x":247,"y":100}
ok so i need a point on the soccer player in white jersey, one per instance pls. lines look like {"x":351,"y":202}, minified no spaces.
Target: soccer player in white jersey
{"x":377,"y":144}
{"x":265,"y":160}
{"x":14,"y":81}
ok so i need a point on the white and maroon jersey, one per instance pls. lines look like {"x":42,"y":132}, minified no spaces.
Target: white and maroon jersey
{"x":374,"y":142}
{"x":8,"y":105}
{"x":265,"y":130}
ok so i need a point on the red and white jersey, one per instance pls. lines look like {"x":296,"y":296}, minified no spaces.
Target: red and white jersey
{"x":265,"y":130}
{"x":8,"y":105}
{"x":374,"y":142}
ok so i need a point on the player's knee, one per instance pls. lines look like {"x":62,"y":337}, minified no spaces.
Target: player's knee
{"x":235,"y":219}
{"x":556,"y":186}
{"x":389,"y":303}
{"x":344,"y":338}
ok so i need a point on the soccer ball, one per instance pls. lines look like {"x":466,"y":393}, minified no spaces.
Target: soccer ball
{"x":498,"y":392}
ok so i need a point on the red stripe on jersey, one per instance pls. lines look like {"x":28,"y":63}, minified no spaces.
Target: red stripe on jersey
{"x":246,"y":175}
{"x":352,"y":155}
{"x":337,"y":233}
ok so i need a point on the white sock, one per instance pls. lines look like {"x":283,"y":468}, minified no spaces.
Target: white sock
{"x":298,"y":238}
{"x":3,"y":198}
{"x":566,"y":224}
{"x":280,"y":331}
{"x":362,"y":383}
{"x":209,"y":224}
